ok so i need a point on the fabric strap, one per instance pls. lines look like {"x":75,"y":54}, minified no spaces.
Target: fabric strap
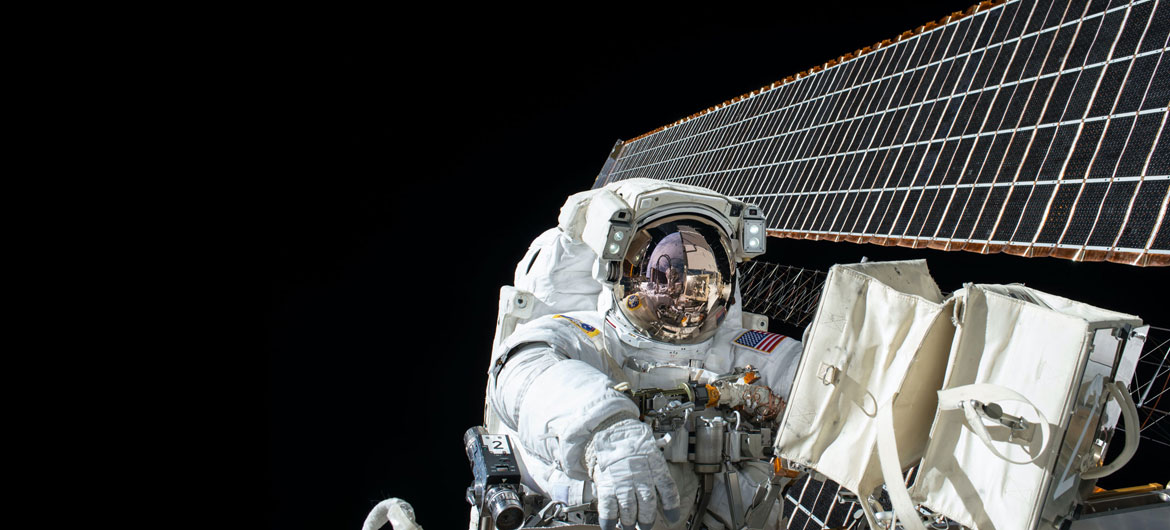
{"x":963,"y":397}
{"x":892,"y":469}
{"x":1129,"y":415}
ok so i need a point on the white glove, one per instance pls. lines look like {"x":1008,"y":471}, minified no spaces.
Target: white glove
{"x":628,"y":467}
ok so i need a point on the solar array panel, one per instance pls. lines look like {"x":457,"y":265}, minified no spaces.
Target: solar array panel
{"x":817,"y":503}
{"x":812,"y":504}
{"x":1151,"y":381}
{"x":781,"y":292}
{"x":1036,"y":128}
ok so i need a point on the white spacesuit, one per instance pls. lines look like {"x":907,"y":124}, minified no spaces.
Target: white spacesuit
{"x":635,"y":289}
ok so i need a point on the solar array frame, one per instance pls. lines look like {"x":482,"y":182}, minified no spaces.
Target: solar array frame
{"x":781,"y":292}
{"x":1027,"y":127}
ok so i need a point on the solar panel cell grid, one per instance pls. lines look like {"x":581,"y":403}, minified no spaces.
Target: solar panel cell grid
{"x":969,"y":169}
{"x":921,"y":212}
{"x":944,"y":210}
{"x":1159,"y":27}
{"x":958,"y":135}
{"x":1011,"y":23}
{"x":897,"y":159}
{"x":992,"y":162}
{"x":1082,"y":156}
{"x":1133,"y":29}
{"x":1039,"y":15}
{"x":1158,"y":93}
{"x":1111,"y":147}
{"x":832,"y":211}
{"x":1064,"y":12}
{"x":1162,"y":240}
{"x":1058,"y":214}
{"x":904,"y":210}
{"x":1083,"y":93}
{"x":1088,"y":208}
{"x":1160,"y":157}
{"x":1088,"y":36}
{"x":1113,"y":212}
{"x":1138,"y":148}
{"x":980,"y":214}
{"x":1146,"y":206}
{"x":1005,"y":57}
{"x":1037,"y":100}
{"x":1037,"y":52}
{"x":1057,"y":151}
{"x":799,"y":520}
{"x":1018,"y":51}
{"x":879,"y":222}
{"x":1037,"y":150}
{"x":1136,"y":84}
{"x":1034,"y":214}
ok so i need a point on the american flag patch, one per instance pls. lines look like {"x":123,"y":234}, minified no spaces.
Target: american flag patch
{"x":759,"y":340}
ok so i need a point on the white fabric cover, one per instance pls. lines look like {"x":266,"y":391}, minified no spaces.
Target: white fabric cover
{"x":1033,"y":345}
{"x":558,"y":271}
{"x":880,"y":338}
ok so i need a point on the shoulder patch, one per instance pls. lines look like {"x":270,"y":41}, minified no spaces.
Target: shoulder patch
{"x":589,"y":330}
{"x":761,"y":341}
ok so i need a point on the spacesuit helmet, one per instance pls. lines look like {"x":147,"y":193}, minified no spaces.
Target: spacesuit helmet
{"x":677,"y":279}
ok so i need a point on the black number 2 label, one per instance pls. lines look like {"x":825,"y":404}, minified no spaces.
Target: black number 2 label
{"x":496,"y":444}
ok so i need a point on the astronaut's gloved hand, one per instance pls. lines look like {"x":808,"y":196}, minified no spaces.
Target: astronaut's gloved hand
{"x":629,"y":469}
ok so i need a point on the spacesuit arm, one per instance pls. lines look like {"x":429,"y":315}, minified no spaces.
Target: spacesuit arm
{"x":555,"y":404}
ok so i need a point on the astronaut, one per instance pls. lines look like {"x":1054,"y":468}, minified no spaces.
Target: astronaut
{"x":636,"y":288}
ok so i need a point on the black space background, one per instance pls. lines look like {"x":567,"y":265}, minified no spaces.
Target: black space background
{"x":417,"y":155}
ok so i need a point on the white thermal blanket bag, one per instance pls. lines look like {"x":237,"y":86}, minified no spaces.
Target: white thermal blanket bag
{"x":1025,"y":351}
{"x":881,"y":337}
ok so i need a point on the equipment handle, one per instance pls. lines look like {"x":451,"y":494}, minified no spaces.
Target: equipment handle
{"x":1132,"y":432}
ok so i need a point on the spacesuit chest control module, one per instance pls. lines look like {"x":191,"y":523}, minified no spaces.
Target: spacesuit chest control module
{"x":626,"y":384}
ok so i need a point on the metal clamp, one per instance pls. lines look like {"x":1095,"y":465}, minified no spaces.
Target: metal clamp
{"x":1021,"y":429}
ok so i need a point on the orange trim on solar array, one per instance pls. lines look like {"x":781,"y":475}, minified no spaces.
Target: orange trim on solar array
{"x":953,"y":17}
{"x":1141,"y":259}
